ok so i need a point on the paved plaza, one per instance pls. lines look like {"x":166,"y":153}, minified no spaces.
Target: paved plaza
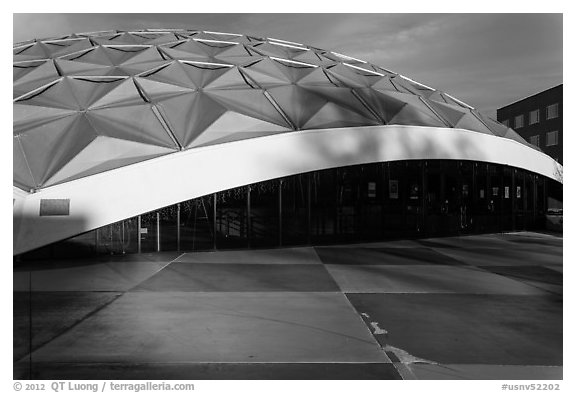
{"x":472,"y":307}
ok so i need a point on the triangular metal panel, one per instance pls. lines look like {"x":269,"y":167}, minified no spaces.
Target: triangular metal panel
{"x":57,"y":95}
{"x":203,"y":75}
{"x":70,"y":67}
{"x":237,"y":55}
{"x":315,"y":78}
{"x":144,"y":56}
{"x":92,"y":56}
{"x":38,"y":77}
{"x":266,"y":74}
{"x":104,"y":154}
{"x":49,"y":147}
{"x":384,"y":105}
{"x":139,"y":68}
{"x":343,"y":97}
{"x":353,"y":78}
{"x":21,"y":173}
{"x":188,"y":115}
{"x":497,"y":128}
{"x":123,"y":54}
{"x":27,"y":116}
{"x":136,"y":123}
{"x":470,"y":122}
{"x":336,"y":116}
{"x":156,"y":91}
{"x":298,"y":103}
{"x":64,"y":47}
{"x":451,"y":113}
{"x":249,"y":102}
{"x":173,"y":74}
{"x":177,"y":54}
{"x":123,"y":92}
{"x":19,"y":70}
{"x":417,"y":105}
{"x":233,"y":125}
{"x":231,"y":79}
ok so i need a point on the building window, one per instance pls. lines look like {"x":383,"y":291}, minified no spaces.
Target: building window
{"x":519,"y":121}
{"x":534,"y":117}
{"x":552,"y":111}
{"x":535,"y":140}
{"x":552,"y":138}
{"x":505,"y":122}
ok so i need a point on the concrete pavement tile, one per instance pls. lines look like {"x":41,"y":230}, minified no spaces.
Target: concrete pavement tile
{"x":424,"y":279}
{"x":538,"y":276}
{"x":49,"y":314}
{"x":485,"y":241}
{"x":109,"y":276}
{"x":212,"y":371}
{"x":304,"y":255}
{"x":142,"y":327}
{"x":484,"y":372}
{"x":468,"y":329}
{"x":209,"y":277}
{"x":501,"y":256}
{"x":383,"y":256}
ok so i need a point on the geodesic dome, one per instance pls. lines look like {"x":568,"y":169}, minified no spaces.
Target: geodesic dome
{"x":88,"y":103}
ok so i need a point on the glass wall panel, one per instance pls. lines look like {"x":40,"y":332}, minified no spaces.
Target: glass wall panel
{"x":370,"y":202}
{"x":357,"y":203}
{"x":264,"y":214}
{"x":148,"y":232}
{"x":508,"y":191}
{"x":347,"y":200}
{"x":323,"y":206}
{"x":434,"y":199}
{"x":197,"y":224}
{"x":232,"y":218}
{"x":78,"y":246}
{"x":394,"y":200}
{"x":467,"y":193}
{"x":412,"y":184}
{"x":130,"y":235}
{"x":520,"y":200}
{"x":169,"y":228}
{"x":495,"y":195}
{"x":530,"y":201}
{"x":295,"y":210}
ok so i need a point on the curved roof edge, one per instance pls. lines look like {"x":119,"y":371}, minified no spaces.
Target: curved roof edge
{"x":115,"y":195}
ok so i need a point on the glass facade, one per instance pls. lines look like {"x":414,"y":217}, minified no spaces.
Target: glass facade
{"x":390,"y":200}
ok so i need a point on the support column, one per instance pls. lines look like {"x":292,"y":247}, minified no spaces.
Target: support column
{"x":157,"y":231}
{"x":249,"y":216}
{"x":214,"y":222}
{"x":139,"y":234}
{"x":178,"y":227}
{"x":280,"y":212}
{"x":308,"y":209}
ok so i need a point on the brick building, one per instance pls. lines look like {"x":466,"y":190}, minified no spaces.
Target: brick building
{"x":538,"y":119}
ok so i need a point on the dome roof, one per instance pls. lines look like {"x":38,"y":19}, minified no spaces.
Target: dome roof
{"x":91,"y":102}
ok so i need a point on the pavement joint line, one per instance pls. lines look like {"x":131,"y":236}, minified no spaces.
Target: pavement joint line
{"x":356,"y":312}
{"x":67,"y":329}
{"x":155,"y":273}
{"x":178,"y":257}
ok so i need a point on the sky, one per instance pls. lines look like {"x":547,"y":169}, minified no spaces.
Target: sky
{"x":485,"y":60}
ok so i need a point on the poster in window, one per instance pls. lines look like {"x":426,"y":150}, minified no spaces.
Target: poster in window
{"x":495,"y":191}
{"x":371,"y":189}
{"x":518,"y":192}
{"x":393,"y":189}
{"x":506,"y":192}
